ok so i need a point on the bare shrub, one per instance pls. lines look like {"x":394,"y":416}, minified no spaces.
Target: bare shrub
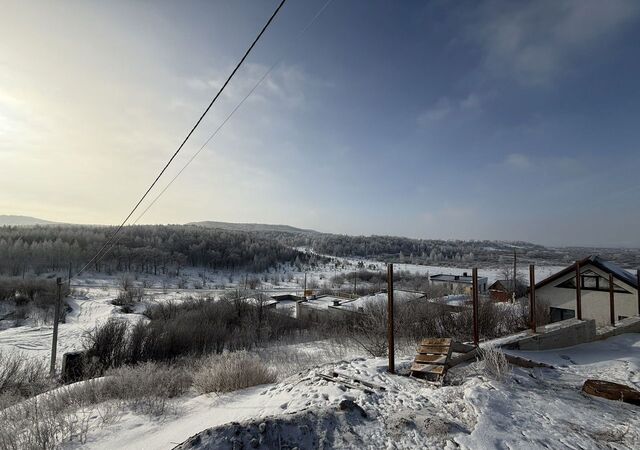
{"x":146,"y":387}
{"x":21,"y":377}
{"x":231,"y":372}
{"x":369,"y":328}
{"x":495,"y":363}
{"x":107,"y":344}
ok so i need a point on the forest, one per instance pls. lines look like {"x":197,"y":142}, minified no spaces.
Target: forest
{"x":167,"y":249}
{"x":155,"y":249}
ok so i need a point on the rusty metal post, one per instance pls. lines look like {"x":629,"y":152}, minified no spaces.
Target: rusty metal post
{"x":54,"y":343}
{"x":638,"y":288}
{"x":578,"y":292}
{"x":474,"y":300}
{"x":612,"y":306}
{"x":532,"y":296}
{"x":390,"y":336}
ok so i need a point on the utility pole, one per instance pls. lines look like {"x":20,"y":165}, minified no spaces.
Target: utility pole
{"x":54,"y":344}
{"x":513,"y":295}
{"x":355,"y":282}
{"x":304,"y":290}
{"x":390,"y":334}
{"x":474,"y":299}
{"x":638,"y":288}
{"x":69,"y":276}
{"x":532,"y":297}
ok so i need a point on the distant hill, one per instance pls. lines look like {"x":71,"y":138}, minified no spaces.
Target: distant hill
{"x":250,"y":227}
{"x":23,"y":220}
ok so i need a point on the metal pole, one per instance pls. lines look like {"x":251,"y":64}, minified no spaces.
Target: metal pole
{"x":532,"y":296}
{"x":304,"y":292}
{"x":474,"y":300}
{"x":54,"y":344}
{"x":638,"y":288}
{"x":578,"y":292}
{"x":390,"y":336}
{"x":612,"y":306}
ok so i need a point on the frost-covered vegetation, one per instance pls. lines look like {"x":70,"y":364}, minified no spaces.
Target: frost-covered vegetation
{"x":156,"y":249}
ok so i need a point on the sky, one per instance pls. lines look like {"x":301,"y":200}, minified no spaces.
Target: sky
{"x":503,"y":120}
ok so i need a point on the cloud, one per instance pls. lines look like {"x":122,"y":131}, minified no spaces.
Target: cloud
{"x":449,"y":213}
{"x":518,"y":161}
{"x":286,"y":84}
{"x":533,"y":42}
{"x":446,"y":108}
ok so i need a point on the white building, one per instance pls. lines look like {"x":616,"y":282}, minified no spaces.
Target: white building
{"x":559,"y":292}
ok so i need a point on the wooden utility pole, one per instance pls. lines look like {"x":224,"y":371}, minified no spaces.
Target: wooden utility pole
{"x":513,"y":295}
{"x":638,"y":288}
{"x":390,"y":336}
{"x":69,"y":279}
{"x":355,"y":282}
{"x":532,"y":297}
{"x":578,"y":292}
{"x":612,"y":306}
{"x":474,"y":300}
{"x":54,"y":344}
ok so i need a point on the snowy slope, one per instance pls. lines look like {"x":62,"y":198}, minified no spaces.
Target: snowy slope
{"x":530,"y":409}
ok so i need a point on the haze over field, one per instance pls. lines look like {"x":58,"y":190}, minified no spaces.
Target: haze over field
{"x":470,"y":120}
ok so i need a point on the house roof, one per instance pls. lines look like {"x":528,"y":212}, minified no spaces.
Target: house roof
{"x":606,"y":266}
{"x":506,"y":284}
{"x":455,"y":278}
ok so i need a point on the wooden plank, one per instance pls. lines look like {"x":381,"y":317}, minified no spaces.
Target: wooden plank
{"x":359,"y":380}
{"x":428,"y":368}
{"x":345,"y":383}
{"x":464,"y":357}
{"x":460,"y":347}
{"x":436,"y":341}
{"x":434,"y":349}
{"x":432,"y":359}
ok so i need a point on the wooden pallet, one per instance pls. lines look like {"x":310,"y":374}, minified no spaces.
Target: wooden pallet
{"x":432,"y":361}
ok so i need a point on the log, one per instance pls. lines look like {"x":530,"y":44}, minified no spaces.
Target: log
{"x":612,"y":391}
{"x":528,"y":363}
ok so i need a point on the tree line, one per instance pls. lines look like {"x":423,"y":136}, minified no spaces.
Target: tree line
{"x":155,"y":249}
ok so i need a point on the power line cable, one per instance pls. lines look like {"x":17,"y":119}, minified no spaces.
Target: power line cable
{"x":258,"y":83}
{"x":246,"y":54}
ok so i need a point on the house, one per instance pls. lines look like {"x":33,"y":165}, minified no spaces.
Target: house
{"x":460,"y":283}
{"x":502,"y":290}
{"x":559,"y":292}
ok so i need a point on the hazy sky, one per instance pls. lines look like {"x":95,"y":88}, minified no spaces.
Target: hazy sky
{"x":436,"y":119}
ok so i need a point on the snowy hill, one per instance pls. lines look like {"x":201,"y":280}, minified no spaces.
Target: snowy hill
{"x":529,"y":408}
{"x":250,"y":227}
{"x":23,"y":220}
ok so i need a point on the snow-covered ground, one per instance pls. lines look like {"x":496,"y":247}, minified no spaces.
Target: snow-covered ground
{"x":529,"y":409}
{"x":91,"y":303}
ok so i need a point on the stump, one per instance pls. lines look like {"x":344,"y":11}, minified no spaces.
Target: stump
{"x":72,"y":367}
{"x":612,"y":391}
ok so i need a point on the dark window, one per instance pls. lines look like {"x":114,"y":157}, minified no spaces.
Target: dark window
{"x":558,"y":314}
{"x":589,"y":282}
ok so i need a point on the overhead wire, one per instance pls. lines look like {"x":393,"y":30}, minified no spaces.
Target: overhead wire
{"x":221,"y":125}
{"x":107,"y":245}
{"x":226,"y":119}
